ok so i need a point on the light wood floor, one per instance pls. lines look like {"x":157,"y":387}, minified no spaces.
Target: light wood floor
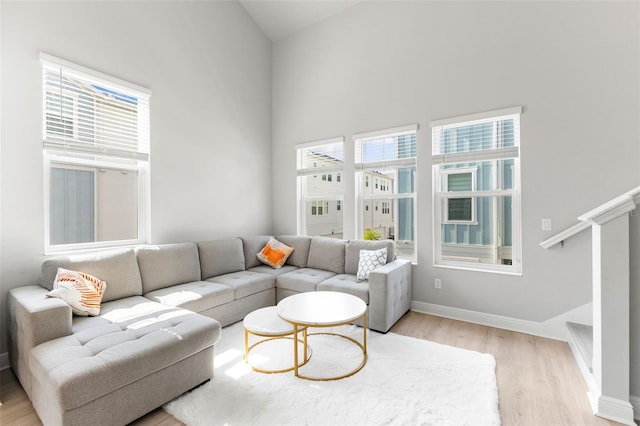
{"x":539,"y":383}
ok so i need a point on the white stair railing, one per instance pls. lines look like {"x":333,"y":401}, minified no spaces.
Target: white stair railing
{"x":609,"y":379}
{"x":613,"y":208}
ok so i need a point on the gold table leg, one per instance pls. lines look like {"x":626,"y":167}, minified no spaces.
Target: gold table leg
{"x":362,"y":346}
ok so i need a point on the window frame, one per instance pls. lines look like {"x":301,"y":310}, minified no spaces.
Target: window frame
{"x":366,"y":195}
{"x":316,"y":170}
{"x":496,"y":154}
{"x":77,"y":154}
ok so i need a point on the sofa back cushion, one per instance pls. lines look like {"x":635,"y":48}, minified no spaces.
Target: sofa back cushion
{"x":219,"y":257}
{"x":300,"y":244}
{"x":251,"y":246}
{"x":352,"y":255}
{"x":117,"y":268}
{"x":327,"y":253}
{"x":168,"y":264}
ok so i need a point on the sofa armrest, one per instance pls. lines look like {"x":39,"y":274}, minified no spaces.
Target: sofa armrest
{"x":390,"y":294}
{"x":34,"y":318}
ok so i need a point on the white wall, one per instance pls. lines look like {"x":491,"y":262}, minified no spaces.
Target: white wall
{"x":574,"y":68}
{"x":209,"y":69}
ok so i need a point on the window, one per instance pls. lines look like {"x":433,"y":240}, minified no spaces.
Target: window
{"x":319,"y":208}
{"x":476,"y":191}
{"x":320,"y":198}
{"x":388,"y":156}
{"x":96,"y":156}
{"x":462,"y":209}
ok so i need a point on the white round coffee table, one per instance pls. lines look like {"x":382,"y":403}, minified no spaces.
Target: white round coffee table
{"x":265,"y":322}
{"x":324,"y":309}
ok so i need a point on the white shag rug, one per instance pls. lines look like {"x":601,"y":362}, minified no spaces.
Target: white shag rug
{"x":406,"y":381}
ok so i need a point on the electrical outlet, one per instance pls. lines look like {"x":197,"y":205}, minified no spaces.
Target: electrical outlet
{"x":437,"y":283}
{"x":546,"y":224}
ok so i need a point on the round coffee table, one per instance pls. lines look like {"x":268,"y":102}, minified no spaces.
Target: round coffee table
{"x":324,"y":309}
{"x":265,"y":322}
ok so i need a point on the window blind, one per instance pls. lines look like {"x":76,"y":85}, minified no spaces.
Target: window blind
{"x":87,"y":112}
{"x":325,"y":156}
{"x":476,"y":140}
{"x":378,"y":150}
{"x":459,"y":182}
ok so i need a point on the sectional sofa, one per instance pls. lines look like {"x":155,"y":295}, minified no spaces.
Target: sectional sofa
{"x":162,"y":313}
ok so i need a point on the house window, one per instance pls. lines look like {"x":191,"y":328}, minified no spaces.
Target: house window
{"x":460,"y":209}
{"x":319,"y":208}
{"x":476,"y":191}
{"x":96,"y":155}
{"x":317,"y":162}
{"x":388,"y":156}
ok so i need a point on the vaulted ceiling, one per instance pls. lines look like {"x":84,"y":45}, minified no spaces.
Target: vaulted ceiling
{"x":279,"y":19}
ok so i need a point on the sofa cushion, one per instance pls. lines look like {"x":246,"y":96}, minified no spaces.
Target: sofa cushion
{"x":219,"y":257}
{"x":82,"y":292}
{"x":196,"y":296}
{"x":251,"y":245}
{"x":346,"y":283}
{"x":118,"y":268}
{"x":264,"y":269}
{"x":133,"y":339}
{"x":167,"y":265}
{"x":352,"y":252}
{"x":245,"y":283}
{"x":303,"y":279}
{"x":301,"y":244}
{"x":327,"y":253}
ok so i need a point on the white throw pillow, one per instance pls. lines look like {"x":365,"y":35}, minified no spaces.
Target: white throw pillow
{"x":81,"y":291}
{"x":370,"y":260}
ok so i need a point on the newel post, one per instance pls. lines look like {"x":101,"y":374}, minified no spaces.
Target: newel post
{"x":611,"y":329}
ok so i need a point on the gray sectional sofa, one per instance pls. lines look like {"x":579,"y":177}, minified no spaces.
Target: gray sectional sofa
{"x":162,"y":313}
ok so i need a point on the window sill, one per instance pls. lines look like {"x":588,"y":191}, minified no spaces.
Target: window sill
{"x":473,"y":268}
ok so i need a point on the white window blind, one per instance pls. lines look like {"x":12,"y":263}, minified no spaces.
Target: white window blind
{"x":88,"y":112}
{"x":390,"y":148}
{"x":477,"y":138}
{"x":321,"y":157}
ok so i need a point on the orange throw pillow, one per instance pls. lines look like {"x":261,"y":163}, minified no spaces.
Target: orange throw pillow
{"x":274,"y":253}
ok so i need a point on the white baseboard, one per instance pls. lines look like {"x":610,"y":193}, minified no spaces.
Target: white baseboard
{"x":635,"y":403}
{"x":554,"y":328}
{"x":612,"y":409}
{"x":4,"y":361}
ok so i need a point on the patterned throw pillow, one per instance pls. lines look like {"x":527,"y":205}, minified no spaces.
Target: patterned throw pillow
{"x":79,"y":290}
{"x":274,"y":253}
{"x":370,"y":260}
